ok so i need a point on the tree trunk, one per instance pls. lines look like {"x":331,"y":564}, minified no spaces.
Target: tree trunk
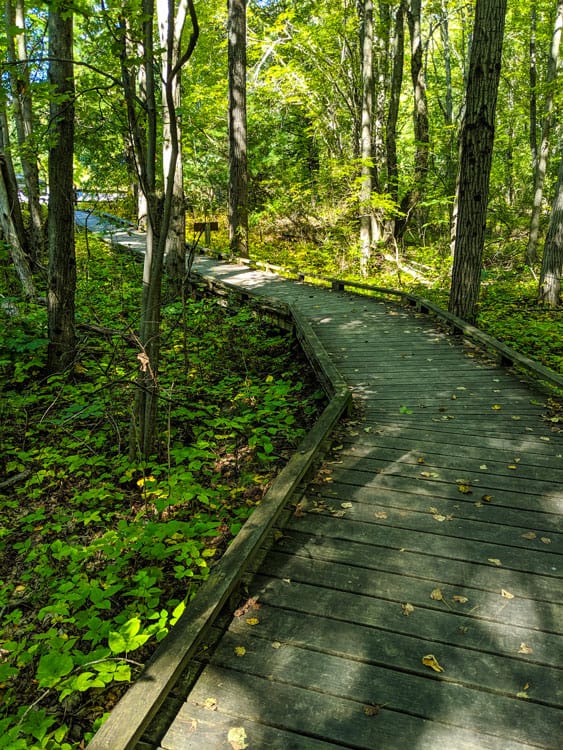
{"x":13,"y":205}
{"x":175,"y":247}
{"x":476,"y":151}
{"x":543,"y":153}
{"x":62,"y":262}
{"x":398,"y":56}
{"x":238,"y":167}
{"x":23,"y":118}
{"x":19,"y":258}
{"x":552,"y":262}
{"x":366,"y":183}
{"x":420,"y":120}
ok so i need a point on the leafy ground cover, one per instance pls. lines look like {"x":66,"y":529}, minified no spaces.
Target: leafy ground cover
{"x":99,"y":555}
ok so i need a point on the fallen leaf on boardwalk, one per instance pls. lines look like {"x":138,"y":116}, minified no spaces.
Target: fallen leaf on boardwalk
{"x":529,"y":535}
{"x":249,"y":604}
{"x":252,"y":621}
{"x":460,"y":599}
{"x":484,"y":467}
{"x":346,"y":505}
{"x":506,"y":594}
{"x":516,"y":419}
{"x":545,"y":540}
{"x":522,"y":694}
{"x":512,"y":466}
{"x":240,"y":650}
{"x":407,"y":608}
{"x":465,"y":489}
{"x":525,"y":649}
{"x":338,"y":513}
{"x":487,"y":498}
{"x":298,"y":512}
{"x":237,"y":738}
{"x":440,"y":518}
{"x":372,"y":709}
{"x":496,"y":407}
{"x":193,"y":725}
{"x":430,"y":661}
{"x":429,"y":474}
{"x":210,"y":704}
{"x":420,"y":460}
{"x":380,"y":514}
{"x":276,"y":644}
{"x":437,"y":595}
{"x":544,"y":438}
{"x":494,"y":561}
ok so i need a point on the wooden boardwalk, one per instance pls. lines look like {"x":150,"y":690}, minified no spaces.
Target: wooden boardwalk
{"x":413,"y":598}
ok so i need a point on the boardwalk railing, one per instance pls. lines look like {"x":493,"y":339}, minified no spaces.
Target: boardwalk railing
{"x":507,"y":357}
{"x":134,"y":712}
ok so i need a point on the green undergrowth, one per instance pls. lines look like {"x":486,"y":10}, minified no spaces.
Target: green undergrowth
{"x":99,"y":555}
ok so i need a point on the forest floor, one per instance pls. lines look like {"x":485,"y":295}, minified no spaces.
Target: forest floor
{"x":100,"y":554}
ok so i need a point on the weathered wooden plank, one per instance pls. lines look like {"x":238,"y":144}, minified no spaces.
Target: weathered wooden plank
{"x":443,"y":571}
{"x":375,"y":645}
{"x":451,"y":625}
{"x":347,"y":721}
{"x":438,"y":697}
{"x":494,"y":511}
{"x":199,"y":728}
{"x":407,"y":587}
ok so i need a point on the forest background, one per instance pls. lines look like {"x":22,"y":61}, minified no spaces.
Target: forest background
{"x":323,"y":135}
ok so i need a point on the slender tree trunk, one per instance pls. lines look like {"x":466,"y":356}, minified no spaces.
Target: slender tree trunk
{"x":552,"y":261}
{"x":13,"y":203}
{"x":23,"y":118}
{"x":62,"y":262}
{"x":366,"y":184}
{"x":398,"y":58}
{"x":420,"y":119}
{"x":543,"y":153}
{"x":477,"y":139}
{"x":175,"y":250}
{"x":19,"y":257}
{"x":238,"y":167}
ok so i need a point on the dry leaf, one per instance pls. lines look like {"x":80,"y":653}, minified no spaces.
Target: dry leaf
{"x":420,"y":460}
{"x":252,"y":621}
{"x":237,"y":738}
{"x":496,"y":407}
{"x":460,"y":599}
{"x":276,"y":644}
{"x":506,"y":594}
{"x":465,"y":488}
{"x":407,"y":608}
{"x":529,"y":535}
{"x":249,"y":604}
{"x":494,"y":561}
{"x":380,"y":514}
{"x":372,"y":709}
{"x":545,"y":540}
{"x":525,"y":649}
{"x":240,"y":650}
{"x":437,"y":595}
{"x":210,"y":704}
{"x":429,"y":474}
{"x":439,"y":517}
{"x":430,"y":661}
{"x":522,"y":694}
{"x":487,"y":498}
{"x":512,"y":466}
{"x":484,"y":467}
{"x":346,"y":505}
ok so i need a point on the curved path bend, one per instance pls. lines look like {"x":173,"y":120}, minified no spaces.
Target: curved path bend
{"x":431,"y":540}
{"x":413,"y":598}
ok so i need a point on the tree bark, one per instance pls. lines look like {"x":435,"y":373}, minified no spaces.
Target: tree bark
{"x":542,"y":155}
{"x":62,"y":262}
{"x":175,"y":242}
{"x":552,"y":261}
{"x":23,"y":118}
{"x":238,"y":160}
{"x":366,"y":180}
{"x":476,"y":151}
{"x":17,"y":252}
{"x":398,"y":57}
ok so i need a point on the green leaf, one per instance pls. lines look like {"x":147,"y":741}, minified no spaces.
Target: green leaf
{"x":52,"y":667}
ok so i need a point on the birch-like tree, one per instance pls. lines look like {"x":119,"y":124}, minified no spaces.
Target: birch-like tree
{"x":552,"y":260}
{"x":238,"y":158}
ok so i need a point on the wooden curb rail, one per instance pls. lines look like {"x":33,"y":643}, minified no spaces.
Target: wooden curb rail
{"x":134,"y":712}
